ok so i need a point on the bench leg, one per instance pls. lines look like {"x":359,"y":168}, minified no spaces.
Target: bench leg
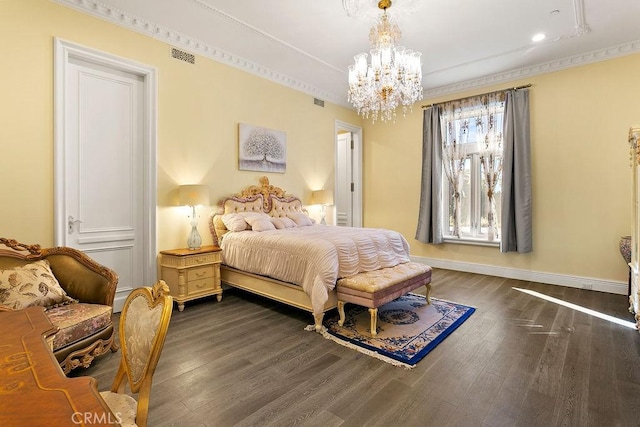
{"x":341,"y":312}
{"x":374,"y":321}
{"x":428,"y":285}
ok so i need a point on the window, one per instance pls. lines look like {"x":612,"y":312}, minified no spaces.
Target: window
{"x":472,"y":166}
{"x":464,"y":146}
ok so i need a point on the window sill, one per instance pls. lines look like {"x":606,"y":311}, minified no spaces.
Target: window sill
{"x":471,"y":241}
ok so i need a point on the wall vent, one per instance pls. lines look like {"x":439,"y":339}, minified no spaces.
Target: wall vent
{"x":181,"y":55}
{"x":318,"y":102}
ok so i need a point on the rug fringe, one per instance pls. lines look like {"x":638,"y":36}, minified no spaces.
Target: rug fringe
{"x":368,"y":352}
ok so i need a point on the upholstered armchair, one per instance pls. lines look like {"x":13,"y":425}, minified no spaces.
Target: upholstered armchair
{"x":76,"y":291}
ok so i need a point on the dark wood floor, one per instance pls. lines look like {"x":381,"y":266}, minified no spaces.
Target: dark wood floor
{"x":517,"y":361}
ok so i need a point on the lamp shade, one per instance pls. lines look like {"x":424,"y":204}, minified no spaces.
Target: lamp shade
{"x":193,"y":195}
{"x":322,"y":197}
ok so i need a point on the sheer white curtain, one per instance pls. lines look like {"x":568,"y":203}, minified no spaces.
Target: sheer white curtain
{"x":489,"y":137}
{"x":455,"y":135}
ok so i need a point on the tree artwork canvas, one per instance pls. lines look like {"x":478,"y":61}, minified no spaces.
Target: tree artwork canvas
{"x":262,"y":149}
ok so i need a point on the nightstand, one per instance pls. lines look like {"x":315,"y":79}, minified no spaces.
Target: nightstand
{"x":191,"y":274}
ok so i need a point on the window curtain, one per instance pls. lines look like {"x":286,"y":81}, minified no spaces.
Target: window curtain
{"x":516,"y":175}
{"x":430,"y":215}
{"x":454,"y":155}
{"x":489,"y":131}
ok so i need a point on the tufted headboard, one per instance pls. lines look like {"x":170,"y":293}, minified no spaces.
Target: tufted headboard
{"x":255,"y":198}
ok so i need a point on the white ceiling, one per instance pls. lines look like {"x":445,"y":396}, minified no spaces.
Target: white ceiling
{"x":308,"y":44}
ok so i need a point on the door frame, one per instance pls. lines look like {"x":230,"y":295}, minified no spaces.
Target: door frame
{"x":356,"y":171}
{"x":63,"y":51}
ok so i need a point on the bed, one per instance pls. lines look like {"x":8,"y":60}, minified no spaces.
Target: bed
{"x":272,"y":248}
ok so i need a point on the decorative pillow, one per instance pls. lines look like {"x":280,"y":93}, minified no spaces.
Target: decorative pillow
{"x":259,"y":222}
{"x":288,"y":222}
{"x":283,"y":222}
{"x":30,"y":285}
{"x":300,"y":219}
{"x":277,"y":223}
{"x":234,"y":222}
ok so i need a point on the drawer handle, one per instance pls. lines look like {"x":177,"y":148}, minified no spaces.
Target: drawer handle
{"x":201,"y":260}
{"x":201,"y":285}
{"x":201,"y":273}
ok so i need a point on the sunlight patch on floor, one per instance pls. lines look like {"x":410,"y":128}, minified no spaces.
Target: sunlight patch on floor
{"x":579,"y":308}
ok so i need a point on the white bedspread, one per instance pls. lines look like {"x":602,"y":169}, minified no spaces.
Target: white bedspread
{"x":314,"y":257}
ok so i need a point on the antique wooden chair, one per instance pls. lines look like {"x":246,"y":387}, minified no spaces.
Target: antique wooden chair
{"x":144,"y":322}
{"x":78,"y":297}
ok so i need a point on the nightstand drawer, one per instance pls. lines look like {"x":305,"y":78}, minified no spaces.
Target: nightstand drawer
{"x":199,"y":273}
{"x":202,"y":285}
{"x":203,"y":259}
{"x":190,"y":260}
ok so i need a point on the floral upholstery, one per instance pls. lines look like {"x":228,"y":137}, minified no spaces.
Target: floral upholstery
{"x":140,"y":332}
{"x":29,"y":285}
{"x":77,"y":321}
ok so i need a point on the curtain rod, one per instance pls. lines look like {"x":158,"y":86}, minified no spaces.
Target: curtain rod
{"x":487,"y":93}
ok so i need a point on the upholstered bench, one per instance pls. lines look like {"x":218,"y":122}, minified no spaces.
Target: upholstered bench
{"x":375,"y":288}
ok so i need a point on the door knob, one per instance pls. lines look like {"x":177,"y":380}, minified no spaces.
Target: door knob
{"x":71,"y":223}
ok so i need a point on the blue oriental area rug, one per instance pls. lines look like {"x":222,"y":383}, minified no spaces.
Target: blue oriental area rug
{"x":408,"y":328}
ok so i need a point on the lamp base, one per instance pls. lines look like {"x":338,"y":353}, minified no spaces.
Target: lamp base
{"x":194,"y":241}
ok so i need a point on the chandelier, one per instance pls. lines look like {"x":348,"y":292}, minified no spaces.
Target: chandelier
{"x":392,"y":79}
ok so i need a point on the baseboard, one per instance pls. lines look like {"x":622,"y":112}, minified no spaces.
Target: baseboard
{"x":588,"y":283}
{"x":118,"y":302}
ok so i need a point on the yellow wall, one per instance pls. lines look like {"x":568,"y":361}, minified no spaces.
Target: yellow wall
{"x":580,"y":119}
{"x":199,"y":108}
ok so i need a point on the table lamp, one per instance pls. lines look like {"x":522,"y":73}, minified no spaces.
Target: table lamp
{"x":193,"y":195}
{"x":324,"y":198}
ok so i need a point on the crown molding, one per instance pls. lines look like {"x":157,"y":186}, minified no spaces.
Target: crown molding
{"x":111,"y":14}
{"x":183,"y":41}
{"x":547,"y":67}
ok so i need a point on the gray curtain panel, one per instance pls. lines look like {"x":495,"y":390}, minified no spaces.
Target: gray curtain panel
{"x":430,"y":216}
{"x":516,"y":175}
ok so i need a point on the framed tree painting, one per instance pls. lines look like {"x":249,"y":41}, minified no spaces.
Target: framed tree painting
{"x":262,"y":149}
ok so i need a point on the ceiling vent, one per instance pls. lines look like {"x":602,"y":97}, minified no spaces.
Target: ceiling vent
{"x":318,"y":102}
{"x":181,"y":55}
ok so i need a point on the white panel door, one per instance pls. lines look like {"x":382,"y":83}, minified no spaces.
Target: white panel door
{"x":103,"y":179}
{"x":344,"y":195}
{"x":348,"y":175}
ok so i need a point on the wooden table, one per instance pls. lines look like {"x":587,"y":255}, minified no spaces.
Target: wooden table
{"x":33,"y":389}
